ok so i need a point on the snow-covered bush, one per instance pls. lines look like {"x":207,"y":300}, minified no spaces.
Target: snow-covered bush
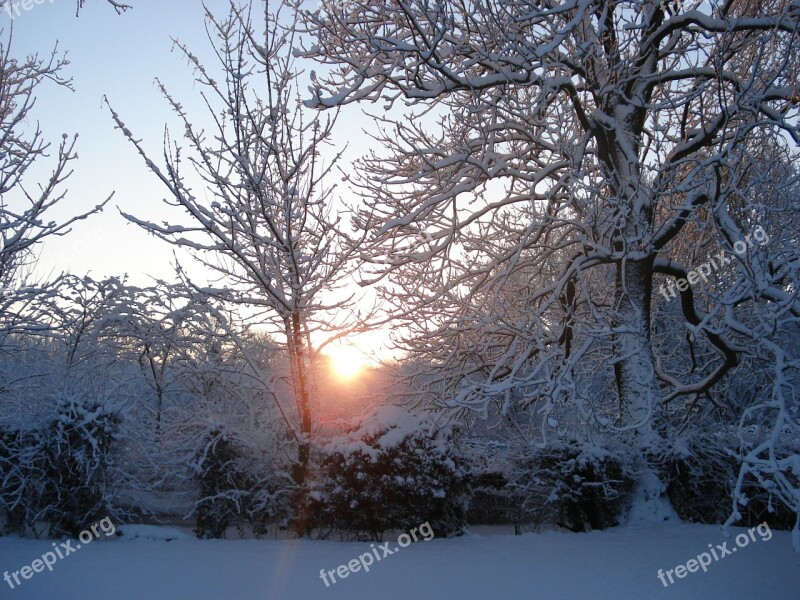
{"x":21,"y":468}
{"x":580,"y":488}
{"x":701,"y":476}
{"x":78,"y":483}
{"x":59,"y":475}
{"x":393,"y":471}
{"x":235,"y":487}
{"x":224,"y":488}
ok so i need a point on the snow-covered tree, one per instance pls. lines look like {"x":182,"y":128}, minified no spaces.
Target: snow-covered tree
{"x":258,"y":196}
{"x":122,"y":399}
{"x":26,"y":205}
{"x":558,"y":158}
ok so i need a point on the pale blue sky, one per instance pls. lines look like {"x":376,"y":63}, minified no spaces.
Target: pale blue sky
{"x":119,"y":56}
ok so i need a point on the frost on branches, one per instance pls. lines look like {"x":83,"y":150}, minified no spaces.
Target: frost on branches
{"x":264,"y":223}
{"x":564,"y":159}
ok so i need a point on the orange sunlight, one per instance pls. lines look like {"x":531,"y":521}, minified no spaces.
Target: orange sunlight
{"x":347,"y":362}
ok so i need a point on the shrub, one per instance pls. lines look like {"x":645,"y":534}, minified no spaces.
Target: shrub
{"x":59,"y":474}
{"x":21,"y":471}
{"x":223,"y":487}
{"x":700,"y":483}
{"x":578,"y":488}
{"x":79,"y":451}
{"x":393,"y":471}
{"x":235,"y":487}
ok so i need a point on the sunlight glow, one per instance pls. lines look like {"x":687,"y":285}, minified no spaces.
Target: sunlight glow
{"x":347,"y":362}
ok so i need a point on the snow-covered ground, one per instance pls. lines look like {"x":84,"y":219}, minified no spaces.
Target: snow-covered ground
{"x":620,"y":564}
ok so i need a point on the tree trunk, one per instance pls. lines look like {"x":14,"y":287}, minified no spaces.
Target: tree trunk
{"x":637,"y":387}
{"x":300,"y":519}
{"x":635,"y":369}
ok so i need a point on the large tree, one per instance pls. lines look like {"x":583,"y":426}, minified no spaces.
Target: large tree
{"x":259,"y":198}
{"x":560,"y":157}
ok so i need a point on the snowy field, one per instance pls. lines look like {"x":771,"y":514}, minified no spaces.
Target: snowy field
{"x":620,"y":564}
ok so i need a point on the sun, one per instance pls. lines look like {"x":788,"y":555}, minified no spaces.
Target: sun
{"x":346,"y":362}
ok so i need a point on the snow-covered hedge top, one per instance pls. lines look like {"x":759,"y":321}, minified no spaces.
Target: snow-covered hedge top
{"x":386,"y":428}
